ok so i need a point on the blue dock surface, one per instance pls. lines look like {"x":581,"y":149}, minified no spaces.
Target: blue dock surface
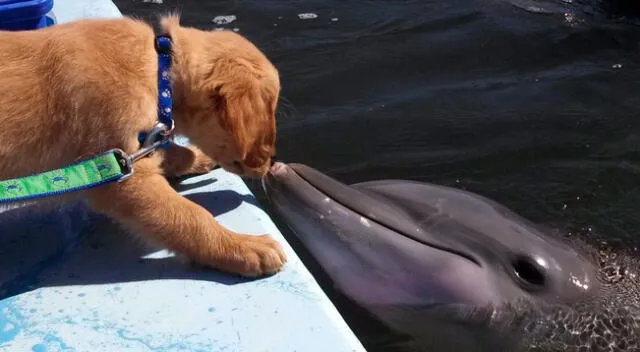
{"x":71,"y":280}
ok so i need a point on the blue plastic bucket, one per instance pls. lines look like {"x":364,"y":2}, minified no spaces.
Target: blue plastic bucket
{"x":18,"y":15}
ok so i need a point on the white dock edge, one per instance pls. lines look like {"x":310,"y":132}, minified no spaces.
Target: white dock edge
{"x":72,"y":281}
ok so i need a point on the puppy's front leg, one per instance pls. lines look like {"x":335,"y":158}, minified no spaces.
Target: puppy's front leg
{"x":148,"y":205}
{"x":182,"y":161}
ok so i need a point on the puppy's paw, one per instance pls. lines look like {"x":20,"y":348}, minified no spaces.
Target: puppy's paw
{"x":258,"y":256}
{"x":182,"y":161}
{"x":202,"y":164}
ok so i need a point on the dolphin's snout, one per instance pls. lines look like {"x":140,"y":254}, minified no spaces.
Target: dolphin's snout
{"x":278,"y":168}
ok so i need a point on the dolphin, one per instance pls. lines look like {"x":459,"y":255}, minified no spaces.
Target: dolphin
{"x":398,"y":243}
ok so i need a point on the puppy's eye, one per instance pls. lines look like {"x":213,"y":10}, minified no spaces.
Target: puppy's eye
{"x":237,"y":163}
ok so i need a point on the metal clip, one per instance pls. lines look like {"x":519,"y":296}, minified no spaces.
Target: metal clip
{"x":125,"y":162}
{"x":159,"y":130}
{"x":159,"y":134}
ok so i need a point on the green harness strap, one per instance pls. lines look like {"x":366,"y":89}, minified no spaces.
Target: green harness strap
{"x":101,"y":169}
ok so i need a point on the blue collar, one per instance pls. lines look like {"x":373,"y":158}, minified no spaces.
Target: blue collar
{"x":165,"y":124}
{"x":165,"y":102}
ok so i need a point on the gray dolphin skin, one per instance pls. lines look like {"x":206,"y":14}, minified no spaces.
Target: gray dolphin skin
{"x":396,"y":243}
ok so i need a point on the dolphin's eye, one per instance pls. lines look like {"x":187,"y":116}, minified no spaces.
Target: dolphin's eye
{"x":529,"y":272}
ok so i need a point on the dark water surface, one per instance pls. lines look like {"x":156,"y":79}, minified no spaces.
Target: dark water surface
{"x":532,"y":103}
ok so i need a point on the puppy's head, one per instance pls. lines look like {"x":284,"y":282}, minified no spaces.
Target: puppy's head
{"x":226,"y":96}
{"x":244,"y":109}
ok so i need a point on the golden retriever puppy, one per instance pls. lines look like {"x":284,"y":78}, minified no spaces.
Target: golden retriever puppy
{"x":75,"y":90}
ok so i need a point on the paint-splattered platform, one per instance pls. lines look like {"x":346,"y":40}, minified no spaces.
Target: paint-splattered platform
{"x":72,"y":281}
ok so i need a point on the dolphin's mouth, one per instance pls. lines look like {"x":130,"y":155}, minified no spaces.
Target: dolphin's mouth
{"x":369,"y":207}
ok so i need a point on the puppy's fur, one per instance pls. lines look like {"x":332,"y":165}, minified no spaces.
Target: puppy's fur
{"x":75,"y":90}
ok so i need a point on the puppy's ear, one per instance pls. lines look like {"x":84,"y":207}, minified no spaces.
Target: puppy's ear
{"x":242,"y":108}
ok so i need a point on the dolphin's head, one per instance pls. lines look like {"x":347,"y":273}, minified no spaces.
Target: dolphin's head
{"x":401,"y":242}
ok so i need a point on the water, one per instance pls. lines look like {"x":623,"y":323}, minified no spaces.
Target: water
{"x":531,"y":103}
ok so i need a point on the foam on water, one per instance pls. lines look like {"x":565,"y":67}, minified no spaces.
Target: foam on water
{"x":225,"y":19}
{"x":307,"y":16}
